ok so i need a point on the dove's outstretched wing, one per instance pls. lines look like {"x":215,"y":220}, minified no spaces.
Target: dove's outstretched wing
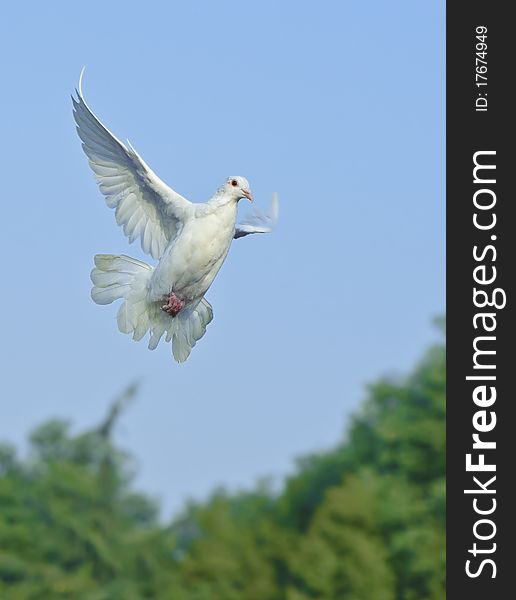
{"x":145,"y":206}
{"x":259,"y":222}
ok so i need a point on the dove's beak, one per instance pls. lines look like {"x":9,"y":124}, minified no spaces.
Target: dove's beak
{"x":248,"y":195}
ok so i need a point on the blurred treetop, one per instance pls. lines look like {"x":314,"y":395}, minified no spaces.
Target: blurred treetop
{"x":363,"y":521}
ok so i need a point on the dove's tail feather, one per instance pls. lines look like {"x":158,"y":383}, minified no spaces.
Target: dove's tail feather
{"x":122,"y":277}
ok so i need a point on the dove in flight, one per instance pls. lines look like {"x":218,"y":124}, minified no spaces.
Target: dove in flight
{"x":189,"y":241}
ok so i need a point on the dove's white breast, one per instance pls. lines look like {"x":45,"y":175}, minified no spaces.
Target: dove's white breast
{"x":190,"y":264}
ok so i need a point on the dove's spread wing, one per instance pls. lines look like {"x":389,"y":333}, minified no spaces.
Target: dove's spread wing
{"x":145,"y":206}
{"x":259,"y":222}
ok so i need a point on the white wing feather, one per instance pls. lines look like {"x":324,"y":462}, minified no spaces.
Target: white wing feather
{"x":145,"y":206}
{"x":259,"y":222}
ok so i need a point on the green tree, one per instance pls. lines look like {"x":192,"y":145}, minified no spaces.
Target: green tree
{"x":70,"y":527}
{"x":362,"y":521}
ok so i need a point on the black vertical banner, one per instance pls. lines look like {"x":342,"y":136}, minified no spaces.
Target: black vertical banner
{"x":481,"y":297}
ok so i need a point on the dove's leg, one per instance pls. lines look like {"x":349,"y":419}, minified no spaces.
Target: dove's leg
{"x":173,"y":306}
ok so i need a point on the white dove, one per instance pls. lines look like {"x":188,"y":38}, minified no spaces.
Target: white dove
{"x":189,"y":241}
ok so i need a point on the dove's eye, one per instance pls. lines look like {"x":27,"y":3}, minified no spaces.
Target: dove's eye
{"x":234,"y":182}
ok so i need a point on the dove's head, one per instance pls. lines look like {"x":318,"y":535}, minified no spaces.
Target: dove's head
{"x":238,"y":187}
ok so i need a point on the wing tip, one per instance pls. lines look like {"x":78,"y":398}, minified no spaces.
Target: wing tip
{"x":274,"y":210}
{"x":81,"y":76}
{"x":78,"y":91}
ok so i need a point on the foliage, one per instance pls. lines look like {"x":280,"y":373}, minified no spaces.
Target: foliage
{"x":364,"y":521}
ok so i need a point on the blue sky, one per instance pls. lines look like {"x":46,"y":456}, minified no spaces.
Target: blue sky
{"x":337,"y":106}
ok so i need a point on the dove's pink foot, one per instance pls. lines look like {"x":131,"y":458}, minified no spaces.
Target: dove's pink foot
{"x":173,"y":305}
